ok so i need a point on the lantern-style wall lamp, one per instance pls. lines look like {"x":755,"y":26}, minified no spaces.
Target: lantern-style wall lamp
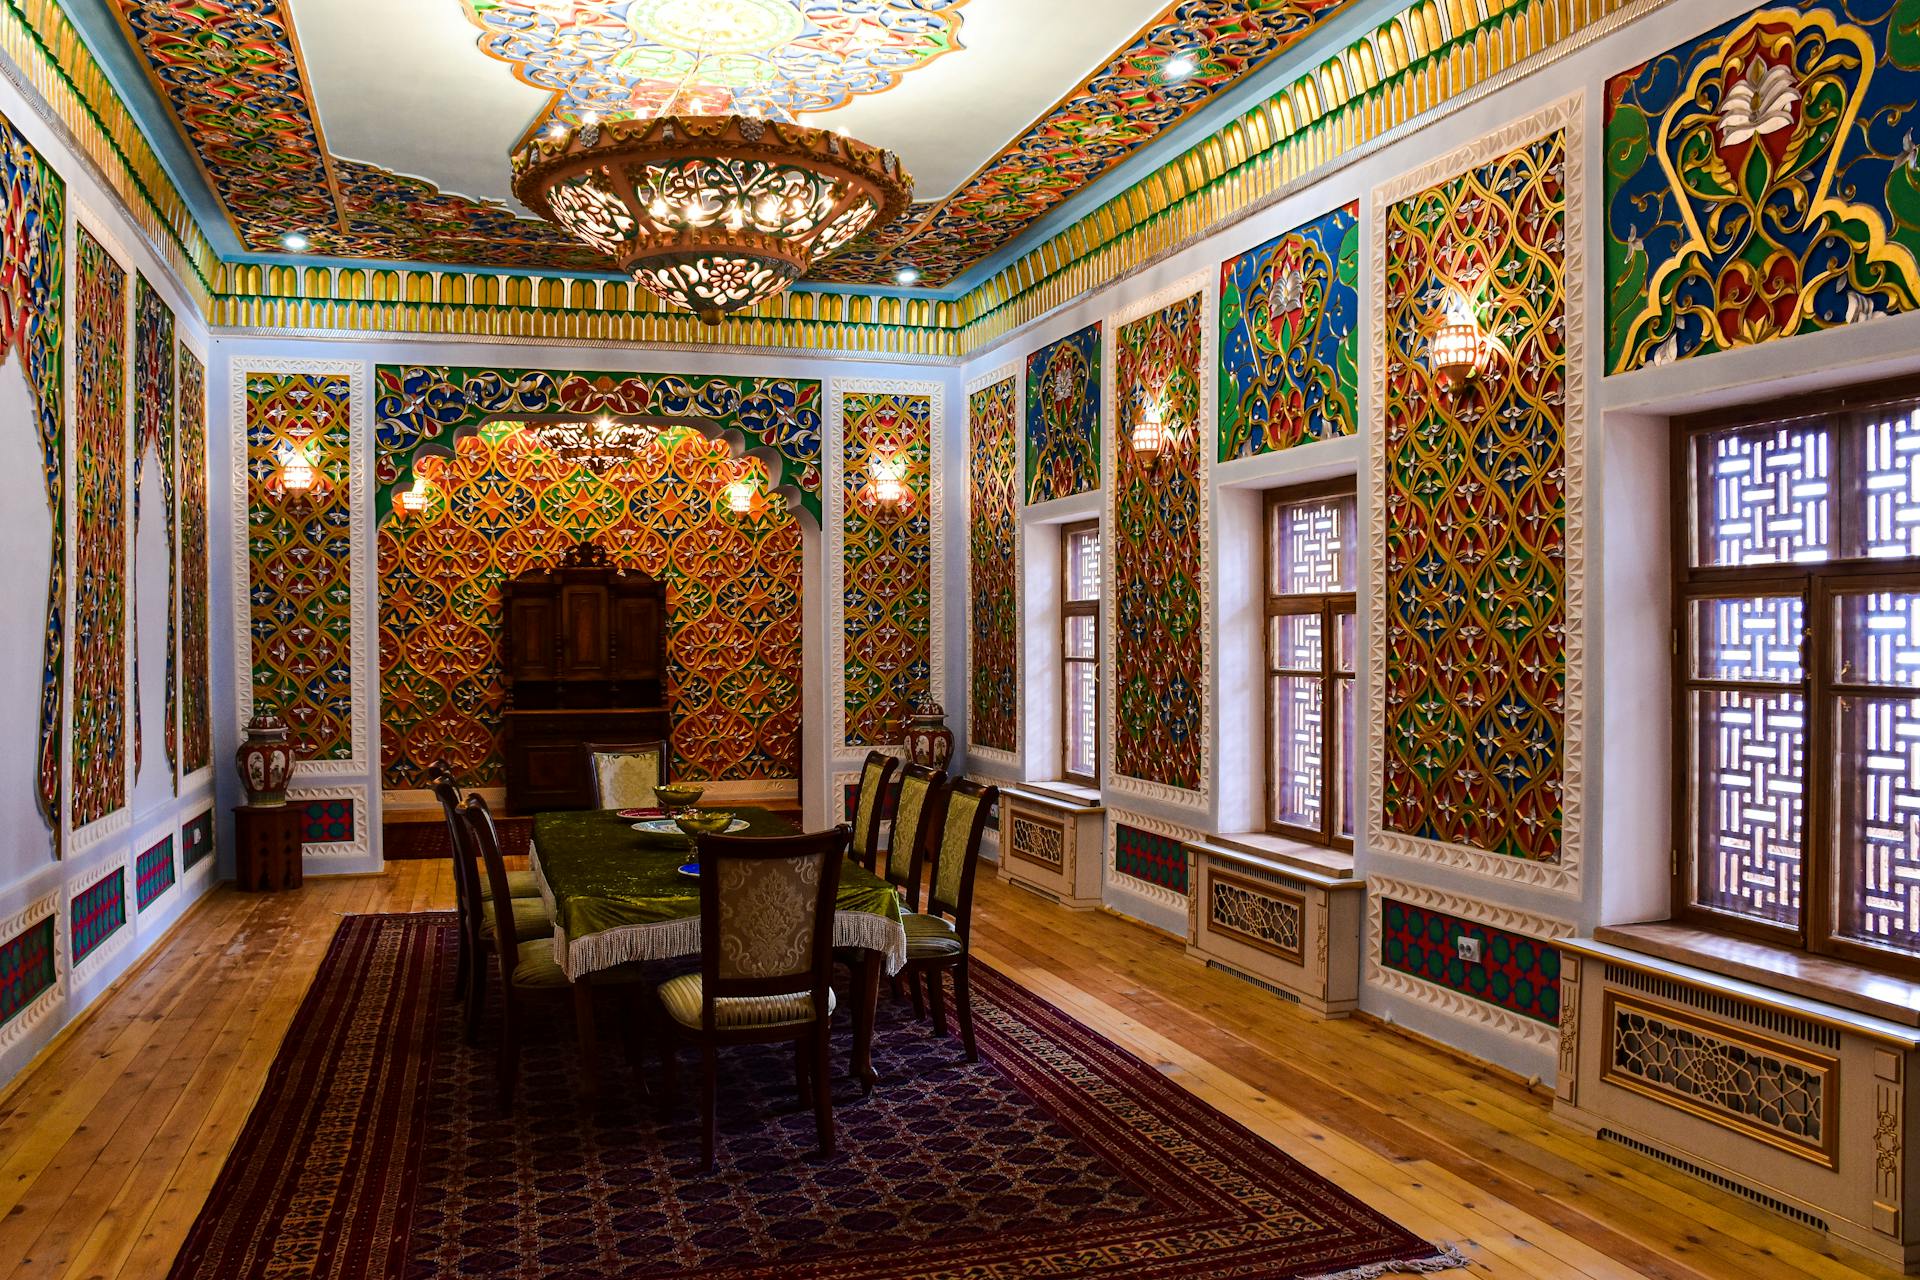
{"x":1457,"y":351}
{"x":413,"y":501}
{"x":1150,"y":436}
{"x":887,"y":486}
{"x":296,"y":479}
{"x":740,"y":496}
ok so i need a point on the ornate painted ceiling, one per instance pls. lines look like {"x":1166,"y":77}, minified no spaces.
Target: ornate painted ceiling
{"x":380,"y":130}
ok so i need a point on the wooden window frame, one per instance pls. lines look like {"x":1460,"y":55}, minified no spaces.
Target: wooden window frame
{"x":1070,"y":609}
{"x":1815,"y":584}
{"x":1330,"y":606}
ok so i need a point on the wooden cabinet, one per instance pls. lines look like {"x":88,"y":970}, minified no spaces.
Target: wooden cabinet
{"x":586,"y":661}
{"x":268,"y":844}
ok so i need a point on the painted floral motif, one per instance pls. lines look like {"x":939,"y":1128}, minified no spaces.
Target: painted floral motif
{"x":1763,"y":181}
{"x":501,"y":506}
{"x":1159,"y":554}
{"x":888,"y":590}
{"x":196,"y":705}
{"x":993,"y":509}
{"x":632,"y":57}
{"x":153,"y":424}
{"x":418,"y":406}
{"x":100,"y":532}
{"x":301,"y":561}
{"x":1289,"y":338}
{"x":1476,"y":512}
{"x":33,"y":324}
{"x":1063,"y":417}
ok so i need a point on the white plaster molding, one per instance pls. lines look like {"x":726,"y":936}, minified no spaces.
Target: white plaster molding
{"x":1563,"y":876}
{"x":81,"y":880}
{"x":833,"y":480}
{"x":37,"y":1010}
{"x":1535,"y":1035}
{"x":1114,"y":783}
{"x":1126,"y":884}
{"x":358,"y":849}
{"x":1015,"y":372}
{"x":361,"y":576}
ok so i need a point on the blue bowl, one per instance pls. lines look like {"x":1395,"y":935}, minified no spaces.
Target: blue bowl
{"x":689,"y":869}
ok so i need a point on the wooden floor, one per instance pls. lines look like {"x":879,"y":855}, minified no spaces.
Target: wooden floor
{"x":109,"y":1142}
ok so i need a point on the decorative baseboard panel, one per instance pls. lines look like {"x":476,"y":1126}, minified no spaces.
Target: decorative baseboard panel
{"x":1284,"y":926}
{"x":1053,"y":846}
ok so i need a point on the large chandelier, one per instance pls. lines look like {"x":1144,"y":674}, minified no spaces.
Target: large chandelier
{"x":598,"y":444}
{"x":711,"y":213}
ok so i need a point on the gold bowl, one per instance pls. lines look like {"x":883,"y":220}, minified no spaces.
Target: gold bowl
{"x":703,"y":822}
{"x":678,"y":795}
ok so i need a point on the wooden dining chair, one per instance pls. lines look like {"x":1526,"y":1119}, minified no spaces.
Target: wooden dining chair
{"x":916,"y":816}
{"x":525,"y":963}
{"x":625,"y":773}
{"x":766,"y":942}
{"x":869,"y":807}
{"x":529,"y":912}
{"x":937,"y":938}
{"x":472,"y":894}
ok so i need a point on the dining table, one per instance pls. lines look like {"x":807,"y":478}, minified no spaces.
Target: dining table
{"x":619,"y":893}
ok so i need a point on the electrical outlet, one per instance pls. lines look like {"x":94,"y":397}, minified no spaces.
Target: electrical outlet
{"x":1467,"y":948}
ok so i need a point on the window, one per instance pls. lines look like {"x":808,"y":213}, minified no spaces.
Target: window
{"x":1080,"y":653}
{"x":1310,"y":641}
{"x":1797,"y":674}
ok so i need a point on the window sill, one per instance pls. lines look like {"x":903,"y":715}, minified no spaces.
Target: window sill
{"x":1335,"y":864}
{"x":1811,"y":977}
{"x":1061,"y":795}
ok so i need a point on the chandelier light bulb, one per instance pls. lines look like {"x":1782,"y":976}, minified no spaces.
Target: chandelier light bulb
{"x":1178,"y":67}
{"x":295,"y":241}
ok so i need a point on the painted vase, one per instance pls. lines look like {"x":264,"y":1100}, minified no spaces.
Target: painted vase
{"x":929,"y":741}
{"x":265,"y":760}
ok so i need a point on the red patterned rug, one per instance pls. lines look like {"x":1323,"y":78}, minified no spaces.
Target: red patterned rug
{"x":376,"y":1150}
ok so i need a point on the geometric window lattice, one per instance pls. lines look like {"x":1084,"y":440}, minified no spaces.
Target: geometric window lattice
{"x":1159,"y":553}
{"x":100,"y":731}
{"x":196,"y":708}
{"x":993,"y":508}
{"x":98,"y":911}
{"x":1517,"y":973}
{"x":328,"y":821}
{"x":1290,"y":338}
{"x":1760,"y":182}
{"x":1475,"y":512}
{"x":1749,"y":770}
{"x":887,"y":598}
{"x":1877,"y":781}
{"x":1890,"y":518}
{"x":1063,"y":417}
{"x":154,"y":430}
{"x":1272,"y":920}
{"x":153,"y":873}
{"x":1041,"y":842}
{"x":1310,"y":663}
{"x":1768,"y":1091}
{"x":1159,"y":860}
{"x":26,"y":968}
{"x":501,"y":506}
{"x":1299,"y":749}
{"x":1765,"y":495}
{"x":301,"y":561}
{"x":196,"y":840}
{"x":1314,"y":545}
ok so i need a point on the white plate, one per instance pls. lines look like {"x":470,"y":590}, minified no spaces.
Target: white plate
{"x":667,"y":827}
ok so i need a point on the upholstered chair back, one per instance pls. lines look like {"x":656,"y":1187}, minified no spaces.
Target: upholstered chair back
{"x":957,"y":856}
{"x":625,"y":773}
{"x":766,"y":913}
{"x":868,"y":805}
{"x":915,"y":817}
{"x":485,"y":838}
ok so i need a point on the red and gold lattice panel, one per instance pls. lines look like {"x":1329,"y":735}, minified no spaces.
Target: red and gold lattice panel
{"x":196,"y":707}
{"x":1474,"y":511}
{"x":153,"y":422}
{"x":100,"y":532}
{"x":993,"y":511}
{"x":501,"y":506}
{"x":301,"y":559}
{"x":1159,"y":552}
{"x":888,"y":586}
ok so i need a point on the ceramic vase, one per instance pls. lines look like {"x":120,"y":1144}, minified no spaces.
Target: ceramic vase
{"x":929,"y":741}
{"x":265,"y":761}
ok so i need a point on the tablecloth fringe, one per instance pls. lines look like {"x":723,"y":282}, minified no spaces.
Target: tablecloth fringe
{"x":680,"y":939}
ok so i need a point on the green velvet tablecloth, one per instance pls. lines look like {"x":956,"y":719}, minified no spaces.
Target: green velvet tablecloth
{"x":617,"y":894}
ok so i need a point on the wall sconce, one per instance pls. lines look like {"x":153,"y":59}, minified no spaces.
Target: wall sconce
{"x":413,"y":501}
{"x":740,"y":496}
{"x":1150,"y":437}
{"x":887,"y":487}
{"x":1458,"y":347}
{"x":296,"y":479}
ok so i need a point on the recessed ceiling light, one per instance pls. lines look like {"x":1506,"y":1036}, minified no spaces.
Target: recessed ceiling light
{"x":1178,"y":67}
{"x":295,"y":241}
{"x":906,"y":275}
{"x":556,"y":130}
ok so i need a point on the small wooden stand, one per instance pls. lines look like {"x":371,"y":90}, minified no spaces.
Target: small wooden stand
{"x":267,"y":841}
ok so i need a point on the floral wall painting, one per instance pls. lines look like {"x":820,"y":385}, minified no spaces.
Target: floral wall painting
{"x":196,"y":688}
{"x":154,"y":433}
{"x":1763,"y":181}
{"x":1476,"y":552}
{"x":100,"y":745}
{"x":993,"y":511}
{"x":887,"y":579}
{"x":1290,"y":338}
{"x":1063,"y":417}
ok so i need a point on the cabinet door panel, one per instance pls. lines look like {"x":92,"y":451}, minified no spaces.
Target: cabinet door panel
{"x":585,"y":612}
{"x":637,"y":622}
{"x":530,"y":637}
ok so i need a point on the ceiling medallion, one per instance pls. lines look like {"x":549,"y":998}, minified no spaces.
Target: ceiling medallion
{"x":711,"y":213}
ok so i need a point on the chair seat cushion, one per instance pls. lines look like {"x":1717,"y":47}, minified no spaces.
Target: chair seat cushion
{"x":536,"y":967}
{"x":519,"y":885}
{"x":682,"y":997}
{"x":530,"y":920}
{"x":929,"y":936}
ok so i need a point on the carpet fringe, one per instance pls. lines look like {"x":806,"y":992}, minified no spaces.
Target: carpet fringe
{"x":1448,"y":1259}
